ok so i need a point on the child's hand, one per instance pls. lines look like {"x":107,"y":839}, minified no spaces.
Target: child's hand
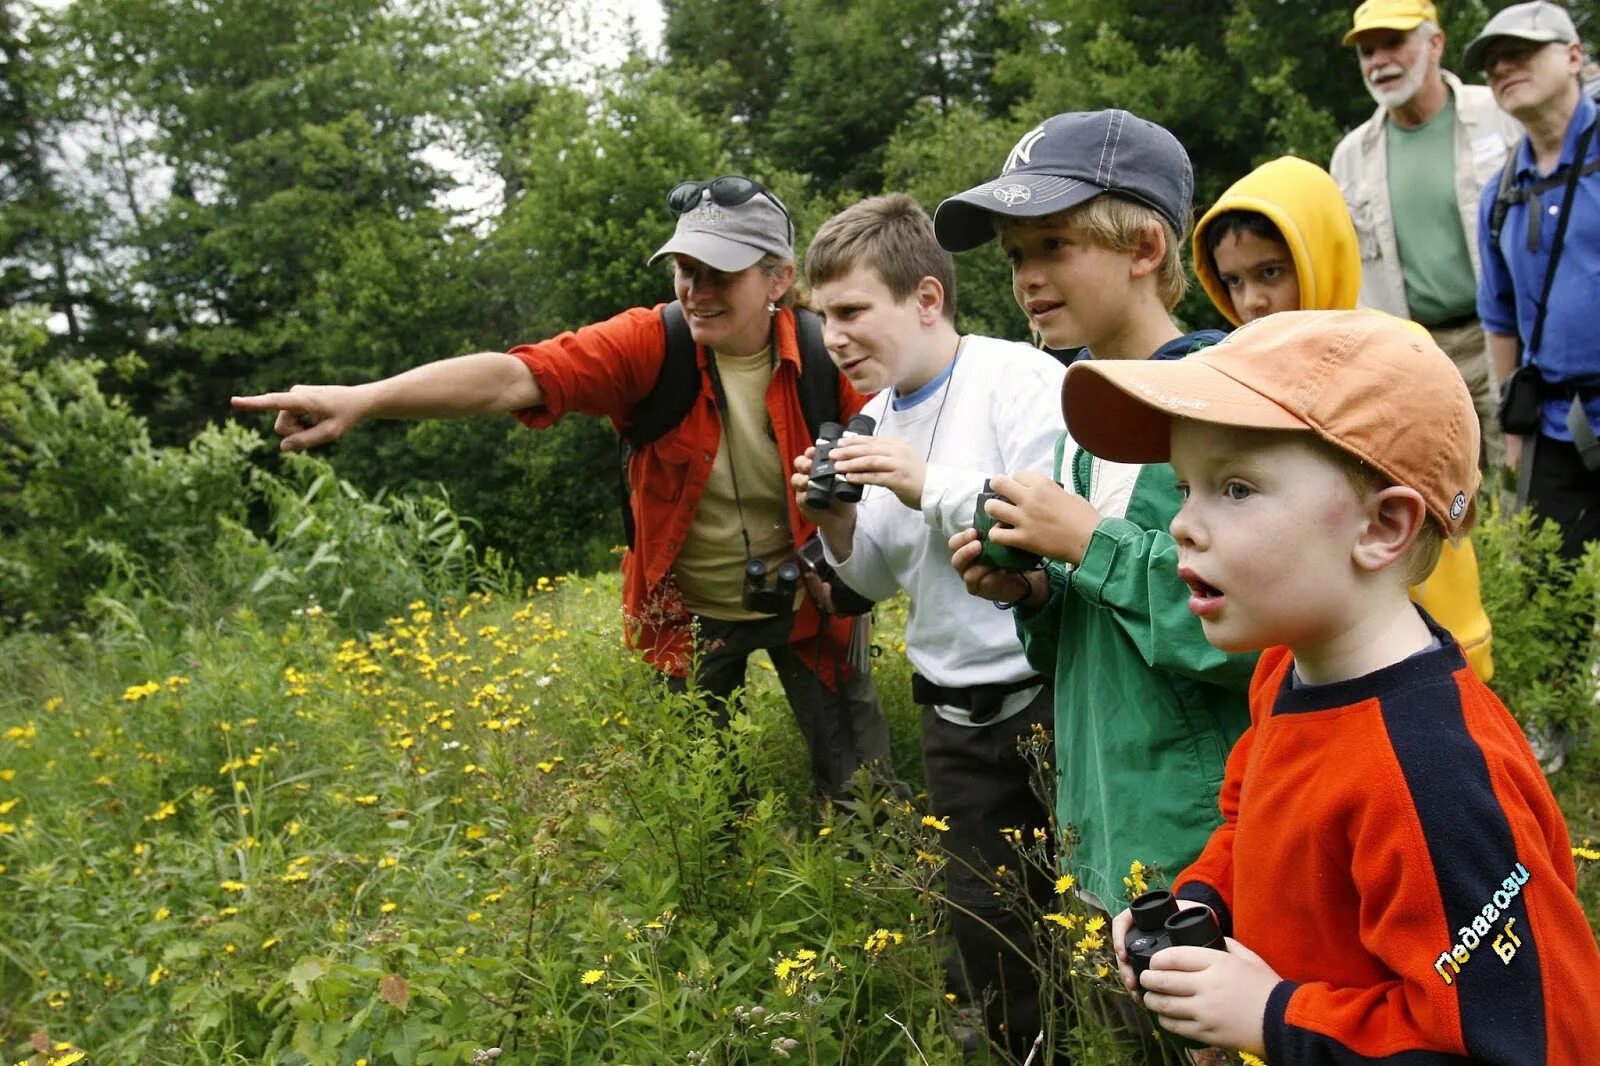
{"x":1048,"y":520}
{"x":1121,"y":926}
{"x":886,"y":461}
{"x":1218,"y":998}
{"x":991,"y":583}
{"x":837,"y":523}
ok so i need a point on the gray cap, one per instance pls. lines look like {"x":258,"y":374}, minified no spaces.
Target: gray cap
{"x":730,"y":238}
{"x":1539,"y":21}
{"x":1067,"y":160}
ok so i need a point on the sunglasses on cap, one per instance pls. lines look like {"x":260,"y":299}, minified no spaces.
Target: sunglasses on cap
{"x":730,"y":190}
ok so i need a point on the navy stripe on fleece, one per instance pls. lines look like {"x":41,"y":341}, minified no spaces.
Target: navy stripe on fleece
{"x":1470,"y":844}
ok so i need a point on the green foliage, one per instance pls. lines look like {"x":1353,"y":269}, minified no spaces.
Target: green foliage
{"x":1543,"y":611}
{"x":96,"y":519}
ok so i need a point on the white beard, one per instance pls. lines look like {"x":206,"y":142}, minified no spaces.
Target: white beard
{"x":1408,"y":88}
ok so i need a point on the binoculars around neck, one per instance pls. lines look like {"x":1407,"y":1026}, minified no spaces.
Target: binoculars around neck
{"x":1158,"y":924}
{"x":774,"y":600}
{"x":827,"y":485}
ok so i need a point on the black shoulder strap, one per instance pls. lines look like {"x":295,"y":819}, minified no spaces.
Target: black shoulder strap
{"x":1505,"y":195}
{"x":1570,"y":180}
{"x":1509,"y":193}
{"x":677,"y":384}
{"x":819,"y":377}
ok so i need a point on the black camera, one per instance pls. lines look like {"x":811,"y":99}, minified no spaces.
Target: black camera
{"x":1158,"y":924}
{"x":847,"y":602}
{"x":779,"y":599}
{"x":827,"y":484}
{"x":1000,"y":556}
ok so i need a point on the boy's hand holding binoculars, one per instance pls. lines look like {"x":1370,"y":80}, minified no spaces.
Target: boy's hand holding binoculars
{"x":1043,"y":517}
{"x":1201,"y":985}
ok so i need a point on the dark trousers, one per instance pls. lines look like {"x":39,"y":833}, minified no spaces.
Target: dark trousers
{"x":1561,"y":489}
{"x":980,"y":783}
{"x":842,"y":729}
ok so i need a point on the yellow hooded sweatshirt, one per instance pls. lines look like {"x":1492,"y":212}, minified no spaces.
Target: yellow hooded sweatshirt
{"x":1302,"y":201}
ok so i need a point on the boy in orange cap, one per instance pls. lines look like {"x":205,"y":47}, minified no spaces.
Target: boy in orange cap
{"x":1393,"y":864}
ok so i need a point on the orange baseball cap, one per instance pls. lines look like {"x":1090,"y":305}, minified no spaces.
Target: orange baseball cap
{"x":1372,"y":385}
{"x":1391,"y":15}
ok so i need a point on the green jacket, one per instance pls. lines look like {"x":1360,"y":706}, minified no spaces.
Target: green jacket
{"x":1146,"y":709}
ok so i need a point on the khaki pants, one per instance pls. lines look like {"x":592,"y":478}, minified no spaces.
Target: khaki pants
{"x":1468,"y":347}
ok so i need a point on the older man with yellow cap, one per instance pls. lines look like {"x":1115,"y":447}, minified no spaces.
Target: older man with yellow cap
{"x":1412,"y":175}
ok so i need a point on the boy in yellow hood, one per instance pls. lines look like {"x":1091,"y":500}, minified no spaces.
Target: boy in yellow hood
{"x":1281,"y":239}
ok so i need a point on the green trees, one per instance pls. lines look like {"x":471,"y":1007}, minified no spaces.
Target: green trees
{"x":245,"y":195}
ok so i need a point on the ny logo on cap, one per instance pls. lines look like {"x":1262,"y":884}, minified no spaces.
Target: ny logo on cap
{"x":1011,"y":195}
{"x":1022,"y":154}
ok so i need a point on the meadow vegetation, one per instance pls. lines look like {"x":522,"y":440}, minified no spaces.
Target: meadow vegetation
{"x":291,"y":774}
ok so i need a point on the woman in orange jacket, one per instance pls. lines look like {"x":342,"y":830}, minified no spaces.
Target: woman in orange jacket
{"x":709,"y":496}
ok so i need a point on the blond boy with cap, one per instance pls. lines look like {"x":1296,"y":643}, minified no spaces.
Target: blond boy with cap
{"x":1391,"y":861}
{"x":1090,"y":208}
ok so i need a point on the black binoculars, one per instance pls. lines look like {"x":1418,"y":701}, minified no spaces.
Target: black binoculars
{"x":827,"y":484}
{"x":1158,"y":924}
{"x":779,"y":599}
{"x":1000,"y":556}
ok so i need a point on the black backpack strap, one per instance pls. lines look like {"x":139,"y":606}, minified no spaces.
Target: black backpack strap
{"x":819,"y":377}
{"x":1505,"y":195}
{"x":664,"y":406}
{"x":677,"y":384}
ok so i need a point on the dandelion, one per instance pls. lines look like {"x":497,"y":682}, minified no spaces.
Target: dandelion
{"x":57,"y":999}
{"x":1248,"y":1059}
{"x":165,"y":811}
{"x":1137,"y":881}
{"x":135,"y":693}
{"x":69,"y":1059}
{"x":295,"y":877}
{"x":1095,"y":924}
{"x":1065,"y":921}
{"x":591,"y":978}
{"x":937,"y":824}
{"x":158,"y":974}
{"x":162,"y":914}
{"x":387,"y":861}
{"x":233,"y":886}
{"x":388,"y":906}
{"x":367,"y":800}
{"x":8,"y":805}
{"x":1585,"y":851}
{"x":880,"y":940}
{"x":476,"y":832}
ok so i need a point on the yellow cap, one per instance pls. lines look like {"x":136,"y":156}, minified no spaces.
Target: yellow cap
{"x":1391,"y":15}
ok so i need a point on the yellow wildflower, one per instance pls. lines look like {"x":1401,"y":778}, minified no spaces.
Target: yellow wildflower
{"x":1064,"y":884}
{"x":938,"y":824}
{"x":1065,"y":921}
{"x":162,"y":914}
{"x":880,"y":940}
{"x":388,"y":906}
{"x":135,"y":693}
{"x":233,"y":886}
{"x":271,"y":941}
{"x":591,"y":978}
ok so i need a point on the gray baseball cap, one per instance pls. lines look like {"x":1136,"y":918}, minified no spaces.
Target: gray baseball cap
{"x":1539,"y":21}
{"x":1069,"y":159}
{"x":730,"y":238}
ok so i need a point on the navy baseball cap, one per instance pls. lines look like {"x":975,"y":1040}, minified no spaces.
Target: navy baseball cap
{"x":1069,"y":159}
